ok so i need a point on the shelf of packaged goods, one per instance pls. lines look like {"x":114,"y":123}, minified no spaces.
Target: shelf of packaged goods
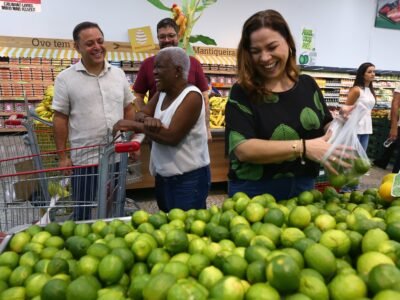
{"x":222,"y":86}
{"x":11,"y":130}
{"x":46,"y":67}
{"x":20,"y":98}
{"x":220,"y":72}
{"x":329,"y":76}
{"x":47,"y":82}
{"x":130,"y":69}
{"x":9,"y":113}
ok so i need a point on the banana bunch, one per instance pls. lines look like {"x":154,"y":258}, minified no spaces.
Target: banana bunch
{"x":180,"y":19}
{"x":217,"y":111}
{"x":57,"y":189}
{"x":43,"y":109}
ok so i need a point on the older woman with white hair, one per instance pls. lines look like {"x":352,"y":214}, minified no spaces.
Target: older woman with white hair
{"x":174,"y":119}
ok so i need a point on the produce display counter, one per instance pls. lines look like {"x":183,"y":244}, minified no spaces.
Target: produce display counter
{"x":219,"y":163}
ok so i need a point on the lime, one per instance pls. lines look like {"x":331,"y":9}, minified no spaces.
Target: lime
{"x":48,"y":252}
{"x":296,"y":255}
{"x":77,"y":245}
{"x":177,"y":268}
{"x":88,"y":265}
{"x":262,"y":291}
{"x":187,"y":289}
{"x":196,"y":263}
{"x":110,"y":275}
{"x":41,"y":266}
{"x":126,"y":255}
{"x":321,"y":259}
{"x":117,"y":242}
{"x":198,"y":227}
{"x":19,"y":240}
{"x":157,"y":220}
{"x":254,"y":212}
{"x":28,"y":259}
{"x":274,"y":216}
{"x":383,"y":277}
{"x":212,"y":250}
{"x":197,"y":245}
{"x":256,"y":252}
{"x":17,"y":293}
{"x":361,"y":165}
{"x":243,"y":237}
{"x":290,"y":235}
{"x":347,"y":286}
{"x":19,"y":275}
{"x":283,"y":273}
{"x":157,"y":255}
{"x":305,"y":198}
{"x":177,"y":214}
{"x":145,"y":228}
{"x":67,"y":228}
{"x":40,"y":237}
{"x":56,"y":266}
{"x":82,"y":288}
{"x":138,"y":269}
{"x":55,"y":241}
{"x":228,"y":204}
{"x":33,"y":229}
{"x":98,"y":226}
{"x":337,"y":241}
{"x":53,"y":228}
{"x":271,"y":231}
{"x":387,"y":295}
{"x":372,"y":239}
{"x":367,"y":261}
{"x":256,"y":272}
{"x":35,"y":283}
{"x":313,"y":286}
{"x":325,"y":222}
{"x":3,"y":286}
{"x":241,"y":204}
{"x":209,"y":276}
{"x":5,"y":273}
{"x":299,"y":217}
{"x":139,"y":217}
{"x":137,"y":285}
{"x":98,"y":250}
{"x":176,"y":241}
{"x":158,"y":285}
{"x":228,"y":287}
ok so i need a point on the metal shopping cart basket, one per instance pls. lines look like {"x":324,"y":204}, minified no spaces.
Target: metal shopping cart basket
{"x":35,"y":190}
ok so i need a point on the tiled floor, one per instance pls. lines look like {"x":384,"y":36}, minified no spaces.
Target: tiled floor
{"x":144,"y":198}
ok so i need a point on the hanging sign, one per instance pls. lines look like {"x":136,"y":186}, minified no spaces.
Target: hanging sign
{"x":141,"y":39}
{"x":21,"y":5}
{"x":308,"y":55}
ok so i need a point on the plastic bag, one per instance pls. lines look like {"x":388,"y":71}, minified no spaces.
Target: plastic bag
{"x":346,"y":160}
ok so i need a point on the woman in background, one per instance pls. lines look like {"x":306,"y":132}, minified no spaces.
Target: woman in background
{"x":362,"y":93}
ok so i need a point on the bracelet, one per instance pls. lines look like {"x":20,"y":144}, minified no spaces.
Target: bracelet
{"x":303,"y":154}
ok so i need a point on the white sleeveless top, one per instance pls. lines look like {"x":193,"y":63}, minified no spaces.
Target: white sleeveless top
{"x":368,"y":100}
{"x":191,"y":153}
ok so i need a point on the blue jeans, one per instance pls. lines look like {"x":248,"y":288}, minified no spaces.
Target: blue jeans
{"x":186,"y":191}
{"x":281,"y":189}
{"x":363,"y":138}
{"x":84,"y":191}
{"x":84,"y":184}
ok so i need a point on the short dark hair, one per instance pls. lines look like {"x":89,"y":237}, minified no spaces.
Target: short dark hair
{"x":82,"y":26}
{"x":168,"y":22}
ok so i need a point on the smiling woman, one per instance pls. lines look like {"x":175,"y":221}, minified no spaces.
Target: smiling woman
{"x":275,"y":118}
{"x":174,"y":119}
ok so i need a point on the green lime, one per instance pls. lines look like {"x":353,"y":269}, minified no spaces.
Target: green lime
{"x":321,"y":259}
{"x":110,"y":275}
{"x":347,"y":286}
{"x":19,"y":275}
{"x":35,"y":283}
{"x":383,"y":277}
{"x":158,"y":285}
{"x":19,"y":240}
{"x":228,"y":287}
{"x":137,"y":285}
{"x":283,"y":273}
{"x":53,"y":228}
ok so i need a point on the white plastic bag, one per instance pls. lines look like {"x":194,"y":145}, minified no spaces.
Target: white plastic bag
{"x":346,"y":160}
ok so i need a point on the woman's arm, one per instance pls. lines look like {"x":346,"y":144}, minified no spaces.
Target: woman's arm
{"x":353,"y":95}
{"x":259,"y":151}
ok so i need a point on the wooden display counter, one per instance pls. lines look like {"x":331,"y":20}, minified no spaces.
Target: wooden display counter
{"x":219,"y":163}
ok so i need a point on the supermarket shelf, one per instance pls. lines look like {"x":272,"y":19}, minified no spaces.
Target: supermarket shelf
{"x":220,"y":72}
{"x":4,"y":113}
{"x":20,"y":98}
{"x":49,"y":67}
{"x":10,"y":130}
{"x":128,"y":69}
{"x":48,"y":82}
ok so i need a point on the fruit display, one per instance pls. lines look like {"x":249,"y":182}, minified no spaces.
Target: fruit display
{"x":43,"y":109}
{"x":318,"y":245}
{"x":380,"y":113}
{"x":217,"y":111}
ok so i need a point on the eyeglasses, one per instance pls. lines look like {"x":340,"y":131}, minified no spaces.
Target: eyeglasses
{"x":169,"y":36}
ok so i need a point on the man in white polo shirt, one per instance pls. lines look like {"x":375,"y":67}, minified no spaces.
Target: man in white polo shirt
{"x":383,"y":161}
{"x":89,"y":98}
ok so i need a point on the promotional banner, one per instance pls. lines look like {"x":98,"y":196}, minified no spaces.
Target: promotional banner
{"x":21,"y":5}
{"x":388,"y":14}
{"x":307,"y":53}
{"x":141,"y":39}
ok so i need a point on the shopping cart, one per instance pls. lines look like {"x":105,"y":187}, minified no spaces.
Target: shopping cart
{"x":35,"y":190}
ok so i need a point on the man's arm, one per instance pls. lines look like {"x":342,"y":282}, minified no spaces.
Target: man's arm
{"x":129,"y":112}
{"x":60,"y":128}
{"x":139,"y":101}
{"x":394,"y":115}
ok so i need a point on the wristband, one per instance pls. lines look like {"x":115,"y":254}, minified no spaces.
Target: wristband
{"x":303,"y":154}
